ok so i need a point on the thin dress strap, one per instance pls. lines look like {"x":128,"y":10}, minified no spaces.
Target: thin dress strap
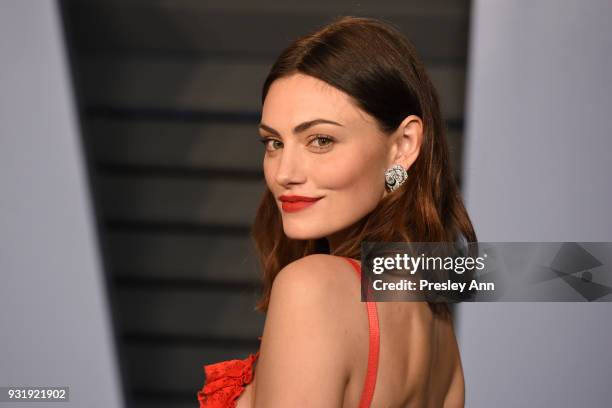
{"x":370,"y":379}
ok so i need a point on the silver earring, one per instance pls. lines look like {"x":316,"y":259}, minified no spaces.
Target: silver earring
{"x":395,"y":176}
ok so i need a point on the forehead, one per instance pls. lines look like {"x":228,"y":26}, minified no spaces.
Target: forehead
{"x":300,"y":97}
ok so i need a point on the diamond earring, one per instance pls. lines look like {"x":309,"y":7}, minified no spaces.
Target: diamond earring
{"x":395,"y":176}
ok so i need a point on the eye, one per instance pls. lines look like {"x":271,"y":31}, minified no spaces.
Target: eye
{"x":271,"y":144}
{"x":322,"y":141}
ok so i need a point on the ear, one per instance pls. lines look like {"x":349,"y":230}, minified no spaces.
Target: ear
{"x":407,"y":140}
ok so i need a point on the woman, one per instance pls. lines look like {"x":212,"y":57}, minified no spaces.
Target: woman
{"x":341,"y":108}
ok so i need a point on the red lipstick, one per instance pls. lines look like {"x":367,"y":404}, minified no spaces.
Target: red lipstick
{"x":292,"y":203}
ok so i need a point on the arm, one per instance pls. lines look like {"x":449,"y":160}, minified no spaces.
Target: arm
{"x":304,"y":357}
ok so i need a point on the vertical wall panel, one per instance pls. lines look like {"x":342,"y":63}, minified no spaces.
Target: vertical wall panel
{"x":537,"y":168}
{"x":54,"y":320}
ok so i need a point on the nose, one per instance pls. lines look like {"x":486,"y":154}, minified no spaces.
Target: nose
{"x":290,"y":168}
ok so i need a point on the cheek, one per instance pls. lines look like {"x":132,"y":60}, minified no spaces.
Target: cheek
{"x":354,"y":185}
{"x":352,"y":177}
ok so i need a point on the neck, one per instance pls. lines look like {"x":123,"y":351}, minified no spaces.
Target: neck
{"x":337,"y":238}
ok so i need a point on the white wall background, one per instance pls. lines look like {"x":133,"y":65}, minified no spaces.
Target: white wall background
{"x":54,"y":323}
{"x":537,"y":168}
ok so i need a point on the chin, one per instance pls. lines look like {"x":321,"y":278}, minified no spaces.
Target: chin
{"x":302,"y":235}
{"x":295,"y":232}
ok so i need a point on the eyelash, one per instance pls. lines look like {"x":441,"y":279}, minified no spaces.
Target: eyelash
{"x":265,"y":141}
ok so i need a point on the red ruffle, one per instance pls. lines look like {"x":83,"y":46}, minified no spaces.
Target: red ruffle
{"x":225,"y":381}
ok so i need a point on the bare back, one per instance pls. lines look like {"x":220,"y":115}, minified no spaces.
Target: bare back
{"x":419,"y":363}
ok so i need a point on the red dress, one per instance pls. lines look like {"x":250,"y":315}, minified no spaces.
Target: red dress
{"x":226,"y":380}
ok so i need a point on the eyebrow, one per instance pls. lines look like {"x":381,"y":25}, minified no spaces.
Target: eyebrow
{"x":301,"y":127}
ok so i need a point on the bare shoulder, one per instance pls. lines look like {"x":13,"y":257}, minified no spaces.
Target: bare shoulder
{"x":314,"y":285}
{"x":318,"y":293}
{"x":306,"y":333}
{"x":320,"y":273}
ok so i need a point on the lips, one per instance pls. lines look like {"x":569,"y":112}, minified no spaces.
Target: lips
{"x":295,"y":203}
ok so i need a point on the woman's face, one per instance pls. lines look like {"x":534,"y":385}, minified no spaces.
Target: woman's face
{"x":324,"y":176}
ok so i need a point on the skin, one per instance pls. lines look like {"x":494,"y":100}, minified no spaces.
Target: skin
{"x":310,"y":357}
{"x":343,"y":164}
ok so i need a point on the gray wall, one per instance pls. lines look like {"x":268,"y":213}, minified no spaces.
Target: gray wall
{"x":537,"y":168}
{"x":54,"y":321}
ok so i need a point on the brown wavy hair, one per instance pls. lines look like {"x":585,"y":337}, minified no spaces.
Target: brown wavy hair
{"x":372,"y":62}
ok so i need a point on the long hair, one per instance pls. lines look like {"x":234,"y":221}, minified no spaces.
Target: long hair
{"x":372,"y":62}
